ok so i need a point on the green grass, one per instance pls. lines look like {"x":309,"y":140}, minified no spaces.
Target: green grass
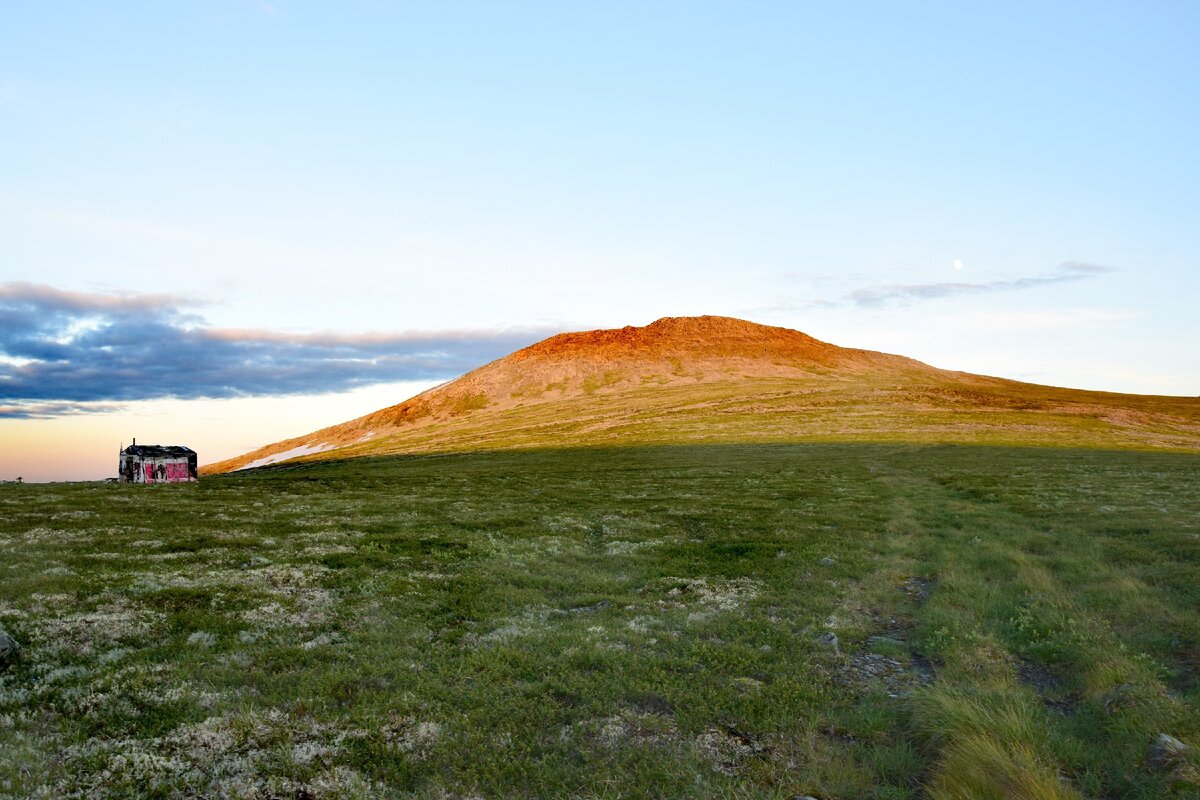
{"x":634,"y":622}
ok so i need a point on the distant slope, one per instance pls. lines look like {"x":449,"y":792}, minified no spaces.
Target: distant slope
{"x":714,"y":379}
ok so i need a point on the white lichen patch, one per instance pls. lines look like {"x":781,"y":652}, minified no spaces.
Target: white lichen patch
{"x":340,"y":783}
{"x":202,"y":639}
{"x":326,"y":639}
{"x":309,"y":607}
{"x":726,"y":751}
{"x":520,"y":551}
{"x":113,"y":656}
{"x":410,"y":735}
{"x":626,"y":729}
{"x":566,"y":523}
{"x":224,"y":756}
{"x":306,"y":752}
{"x":44,"y":603}
{"x":705,"y":594}
{"x":531,"y":621}
{"x":169,"y":556}
{"x":621,"y":547}
{"x":126,"y":691}
{"x":61,"y":674}
{"x":289,"y":595}
{"x":323,"y":549}
{"x":82,"y":632}
{"x":428,"y":575}
{"x":75,"y":514}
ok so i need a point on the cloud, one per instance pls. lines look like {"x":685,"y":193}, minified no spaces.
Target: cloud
{"x":48,"y":299}
{"x":1070,"y":319}
{"x":37,"y":410}
{"x":1066,"y":272}
{"x":79,"y":348}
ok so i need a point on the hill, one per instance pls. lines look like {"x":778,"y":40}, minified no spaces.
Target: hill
{"x":717,"y":379}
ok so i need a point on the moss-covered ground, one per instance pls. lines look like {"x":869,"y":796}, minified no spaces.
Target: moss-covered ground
{"x":633,"y":622}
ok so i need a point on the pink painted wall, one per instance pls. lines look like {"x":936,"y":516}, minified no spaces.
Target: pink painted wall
{"x":171,"y":473}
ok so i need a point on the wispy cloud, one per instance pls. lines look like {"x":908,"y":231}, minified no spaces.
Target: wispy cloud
{"x":1066,"y":272}
{"x":75,"y":349}
{"x":42,"y":410}
{"x":1060,"y":319}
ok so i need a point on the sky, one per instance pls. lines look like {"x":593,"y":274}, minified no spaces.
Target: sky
{"x":224,"y":222}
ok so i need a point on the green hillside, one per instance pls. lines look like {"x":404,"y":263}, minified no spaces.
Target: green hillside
{"x":718,"y":380}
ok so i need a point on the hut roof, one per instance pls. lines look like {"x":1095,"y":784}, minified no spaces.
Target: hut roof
{"x":158,"y":451}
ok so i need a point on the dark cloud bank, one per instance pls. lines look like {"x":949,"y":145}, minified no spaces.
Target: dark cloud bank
{"x":74,"y":352}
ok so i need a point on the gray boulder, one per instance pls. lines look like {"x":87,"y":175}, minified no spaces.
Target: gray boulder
{"x":8,"y":649}
{"x":1166,"y":751}
{"x":830,"y":640}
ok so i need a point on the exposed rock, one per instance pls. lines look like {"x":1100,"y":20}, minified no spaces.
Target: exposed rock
{"x":872,"y":670}
{"x":1167,"y":751}
{"x":917,"y":588}
{"x":603,"y":604}
{"x":1051,"y":689}
{"x":747,"y":685}
{"x":884,"y":641}
{"x":895,"y":670}
{"x":256,"y":562}
{"x":828,"y":561}
{"x":1119,"y":697}
{"x":1131,"y":695}
{"x":9,"y":649}
{"x":830,"y":640}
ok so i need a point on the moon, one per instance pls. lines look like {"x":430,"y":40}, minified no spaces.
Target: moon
{"x":958,"y":263}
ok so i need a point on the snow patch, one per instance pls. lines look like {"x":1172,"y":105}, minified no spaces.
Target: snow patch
{"x":295,"y":452}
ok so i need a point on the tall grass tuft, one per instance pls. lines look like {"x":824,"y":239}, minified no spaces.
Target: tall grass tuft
{"x":981,"y":767}
{"x":991,"y":744}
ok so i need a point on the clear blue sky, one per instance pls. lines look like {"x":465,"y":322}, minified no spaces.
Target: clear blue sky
{"x":1011,"y":190}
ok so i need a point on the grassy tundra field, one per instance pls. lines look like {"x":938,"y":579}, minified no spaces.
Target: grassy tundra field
{"x":840,"y":621}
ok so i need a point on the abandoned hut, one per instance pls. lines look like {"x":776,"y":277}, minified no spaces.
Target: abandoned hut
{"x":156,"y":463}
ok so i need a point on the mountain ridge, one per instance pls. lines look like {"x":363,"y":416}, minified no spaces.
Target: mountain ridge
{"x":712,"y":378}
